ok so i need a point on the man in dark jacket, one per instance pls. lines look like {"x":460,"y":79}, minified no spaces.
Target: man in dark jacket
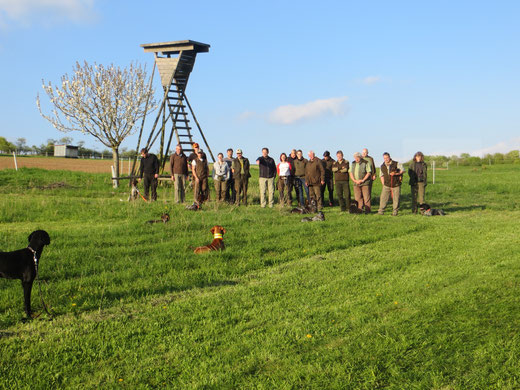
{"x":240,"y":169}
{"x":290,"y":160}
{"x":231,"y":194}
{"x":267,"y":174}
{"x":329,"y":180}
{"x":149,"y":170}
{"x":391,"y":178}
{"x":340,"y":168}
{"x":299,"y":177}
{"x":179,"y":172}
{"x":315,"y":178}
{"x":418,"y":172}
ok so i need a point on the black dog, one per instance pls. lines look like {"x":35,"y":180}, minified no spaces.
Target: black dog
{"x":23,"y":264}
{"x":164,"y":219}
{"x":427,"y":211}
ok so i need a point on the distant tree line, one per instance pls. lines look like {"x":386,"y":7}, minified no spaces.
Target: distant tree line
{"x":21,"y":148}
{"x":465,"y":159}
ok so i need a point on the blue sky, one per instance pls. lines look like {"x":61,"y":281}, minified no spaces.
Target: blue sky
{"x":402,"y":76}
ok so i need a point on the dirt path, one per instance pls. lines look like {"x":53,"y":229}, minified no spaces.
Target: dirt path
{"x":57,"y":163}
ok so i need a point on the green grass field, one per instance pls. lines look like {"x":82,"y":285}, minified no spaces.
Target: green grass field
{"x":355,"y":302}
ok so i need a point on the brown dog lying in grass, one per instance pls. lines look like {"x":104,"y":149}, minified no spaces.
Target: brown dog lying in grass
{"x":217,"y":244}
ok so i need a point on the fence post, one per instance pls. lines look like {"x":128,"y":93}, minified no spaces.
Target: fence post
{"x":114,"y":182}
{"x":15,"y":163}
{"x":433,"y":169}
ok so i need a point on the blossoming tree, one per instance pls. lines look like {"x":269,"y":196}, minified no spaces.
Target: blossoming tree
{"x":105,"y":102}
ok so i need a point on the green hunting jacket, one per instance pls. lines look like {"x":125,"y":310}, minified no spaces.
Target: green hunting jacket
{"x":237,"y":167}
{"x":299,"y":167}
{"x":412,"y":172}
{"x":314,"y":172}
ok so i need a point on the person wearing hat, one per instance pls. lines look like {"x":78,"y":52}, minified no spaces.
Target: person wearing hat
{"x":240,"y":169}
{"x":200,"y":170}
{"x":329,"y":180}
{"x":360,"y":174}
{"x":267,"y":174}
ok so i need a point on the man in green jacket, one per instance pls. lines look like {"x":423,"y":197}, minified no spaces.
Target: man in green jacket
{"x":370,"y":160}
{"x":299,"y":177}
{"x":329,"y":180}
{"x":418,"y":172}
{"x":340,"y":168}
{"x":361,"y":175}
{"x":240,"y":169}
{"x":391,"y":177}
{"x":315,"y":178}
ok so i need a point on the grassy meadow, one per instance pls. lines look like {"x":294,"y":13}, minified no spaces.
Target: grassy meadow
{"x":354,"y":302}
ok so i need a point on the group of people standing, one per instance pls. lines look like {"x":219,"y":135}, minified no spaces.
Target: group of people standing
{"x":310,"y":178}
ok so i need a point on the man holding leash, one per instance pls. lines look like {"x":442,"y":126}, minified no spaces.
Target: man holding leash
{"x":149,"y":170}
{"x":391,"y":178}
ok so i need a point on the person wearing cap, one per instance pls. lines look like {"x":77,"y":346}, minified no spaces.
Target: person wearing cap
{"x":179,"y":172}
{"x":149,"y":170}
{"x":370,"y":160}
{"x":360,"y":174}
{"x":340,"y":168}
{"x":231,"y":194}
{"x":267,"y":174}
{"x":240,"y":169}
{"x":221,"y":173}
{"x":200,"y":170}
{"x":391,"y":177}
{"x":329,"y":180}
{"x":315,"y":178}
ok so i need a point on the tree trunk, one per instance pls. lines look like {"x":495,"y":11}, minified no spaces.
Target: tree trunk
{"x":115,"y":161}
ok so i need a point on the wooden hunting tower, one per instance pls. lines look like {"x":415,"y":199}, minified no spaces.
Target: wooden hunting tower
{"x":175,"y":61}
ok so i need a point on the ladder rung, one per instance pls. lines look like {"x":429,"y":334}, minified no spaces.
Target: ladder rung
{"x":183,"y":128}
{"x":185,"y":143}
{"x":177,"y":105}
{"x":184,"y":135}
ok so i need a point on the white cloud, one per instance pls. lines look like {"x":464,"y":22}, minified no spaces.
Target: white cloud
{"x":26,"y":12}
{"x":369,"y":80}
{"x":293,"y":113}
{"x":501,"y":147}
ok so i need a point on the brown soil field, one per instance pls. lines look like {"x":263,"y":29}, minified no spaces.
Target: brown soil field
{"x":66,"y":164}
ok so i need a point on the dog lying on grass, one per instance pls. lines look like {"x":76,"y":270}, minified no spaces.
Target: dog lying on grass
{"x":217,"y":244}
{"x":427,"y":211}
{"x":318,"y":217}
{"x":164,"y":219}
{"x":308,"y":208}
{"x":23,"y":264}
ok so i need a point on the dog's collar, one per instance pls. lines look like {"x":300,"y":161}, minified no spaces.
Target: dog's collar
{"x":35,"y":259}
{"x":217,"y":236}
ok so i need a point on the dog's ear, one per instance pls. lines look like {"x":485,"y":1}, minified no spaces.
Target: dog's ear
{"x":223,"y":231}
{"x":212,"y":230}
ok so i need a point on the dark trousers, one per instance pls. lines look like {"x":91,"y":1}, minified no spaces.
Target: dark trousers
{"x":241,"y":182}
{"x":329,"y":184}
{"x":200,"y":188}
{"x":231,"y":193}
{"x":149,"y":181}
{"x":299,"y":184}
{"x":343,"y":191}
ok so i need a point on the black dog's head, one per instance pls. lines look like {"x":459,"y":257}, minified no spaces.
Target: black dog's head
{"x":39,"y":238}
{"x":424,"y":206}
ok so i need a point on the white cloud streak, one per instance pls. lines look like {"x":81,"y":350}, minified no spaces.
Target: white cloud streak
{"x":370,"y":80}
{"x":501,"y":147}
{"x":289,"y":114}
{"x":27,"y":12}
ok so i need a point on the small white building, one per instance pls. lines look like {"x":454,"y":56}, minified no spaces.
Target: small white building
{"x":66,"y":151}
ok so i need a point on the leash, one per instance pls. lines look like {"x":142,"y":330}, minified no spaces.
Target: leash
{"x":139,"y":192}
{"x":35,"y":259}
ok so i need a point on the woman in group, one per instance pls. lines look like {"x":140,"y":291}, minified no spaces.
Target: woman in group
{"x":221,"y":173}
{"x":284,"y":180}
{"x":418,"y":175}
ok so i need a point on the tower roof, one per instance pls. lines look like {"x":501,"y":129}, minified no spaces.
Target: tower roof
{"x":175,"y":47}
